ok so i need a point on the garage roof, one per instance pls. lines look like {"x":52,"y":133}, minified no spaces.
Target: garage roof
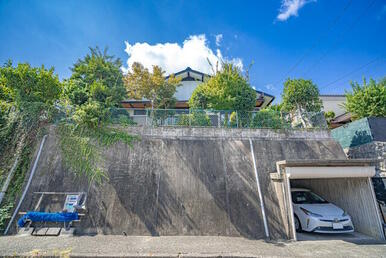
{"x":303,"y":169}
{"x":327,"y":162}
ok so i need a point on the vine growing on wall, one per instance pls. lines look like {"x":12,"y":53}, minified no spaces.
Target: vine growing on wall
{"x":82,"y":148}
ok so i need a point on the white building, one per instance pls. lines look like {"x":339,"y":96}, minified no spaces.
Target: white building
{"x":190,"y":79}
{"x":335,"y":103}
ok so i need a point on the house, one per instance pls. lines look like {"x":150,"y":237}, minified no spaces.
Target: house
{"x":190,"y":79}
{"x":335,"y":103}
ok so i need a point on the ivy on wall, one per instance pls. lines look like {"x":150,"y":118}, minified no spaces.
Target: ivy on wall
{"x":82,"y":146}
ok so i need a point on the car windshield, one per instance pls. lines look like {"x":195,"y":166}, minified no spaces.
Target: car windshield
{"x":306,"y":197}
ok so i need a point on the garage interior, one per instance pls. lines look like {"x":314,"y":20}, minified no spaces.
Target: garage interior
{"x":345,"y":183}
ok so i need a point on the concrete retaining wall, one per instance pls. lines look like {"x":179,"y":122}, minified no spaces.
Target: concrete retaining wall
{"x":186,"y":181}
{"x":375,"y":150}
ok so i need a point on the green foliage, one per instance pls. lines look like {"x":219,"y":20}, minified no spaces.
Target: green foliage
{"x":29,"y":84}
{"x":98,"y":92}
{"x":140,"y":83}
{"x":329,"y":116}
{"x":5,"y":214}
{"x":17,"y":137}
{"x":269,"y":118}
{"x":196,"y":118}
{"x":159,"y":116}
{"x":302,"y":95}
{"x":226,"y":90}
{"x":367,"y":100}
{"x":22,"y":169}
{"x":96,"y":84}
{"x":120,"y":116}
{"x":35,"y":114}
{"x":244,"y":119}
{"x":27,"y":95}
{"x":4,"y":110}
{"x":233,"y":119}
{"x":21,"y":123}
{"x":6,"y":93}
{"x":276,"y":107}
{"x":82,"y":148}
{"x":91,"y":114}
{"x":97,"y":76}
{"x":200,"y":97}
{"x":76,"y":95}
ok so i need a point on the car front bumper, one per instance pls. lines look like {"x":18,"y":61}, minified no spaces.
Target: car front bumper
{"x":326,"y":225}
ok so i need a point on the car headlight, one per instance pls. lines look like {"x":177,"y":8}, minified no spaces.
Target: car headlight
{"x":307,"y":212}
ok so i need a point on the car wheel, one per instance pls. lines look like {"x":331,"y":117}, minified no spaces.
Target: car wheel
{"x":298,"y":226}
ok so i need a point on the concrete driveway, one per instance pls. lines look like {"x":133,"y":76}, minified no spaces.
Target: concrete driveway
{"x":354,"y":237}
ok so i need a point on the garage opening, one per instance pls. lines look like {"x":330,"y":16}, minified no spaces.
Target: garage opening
{"x":328,"y":199}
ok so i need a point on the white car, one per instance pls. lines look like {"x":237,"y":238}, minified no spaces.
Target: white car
{"x":314,"y":214}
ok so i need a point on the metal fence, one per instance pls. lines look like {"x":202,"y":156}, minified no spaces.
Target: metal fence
{"x":217,"y":118}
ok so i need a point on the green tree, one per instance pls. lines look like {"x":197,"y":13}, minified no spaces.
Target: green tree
{"x":140,"y":83}
{"x":96,"y":77}
{"x":30,"y":84}
{"x":6,"y":98}
{"x":367,"y":100}
{"x":228,"y":89}
{"x":96,"y":85}
{"x":300,"y":95}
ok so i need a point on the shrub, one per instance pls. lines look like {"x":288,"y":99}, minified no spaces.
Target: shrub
{"x":196,"y":118}
{"x":269,"y":119}
{"x":120,"y":116}
{"x":91,"y":114}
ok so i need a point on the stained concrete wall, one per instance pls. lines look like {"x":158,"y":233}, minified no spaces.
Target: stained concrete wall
{"x":354,"y":195}
{"x":364,"y":138}
{"x":183,"y":181}
{"x":374,"y":150}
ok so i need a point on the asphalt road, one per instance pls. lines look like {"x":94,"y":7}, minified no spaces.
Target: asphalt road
{"x":183,"y":246}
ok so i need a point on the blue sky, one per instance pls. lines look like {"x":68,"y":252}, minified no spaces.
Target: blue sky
{"x":323,"y":40}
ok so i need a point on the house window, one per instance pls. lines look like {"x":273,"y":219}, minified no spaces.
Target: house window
{"x":140,"y":112}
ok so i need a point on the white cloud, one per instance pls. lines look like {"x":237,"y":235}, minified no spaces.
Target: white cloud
{"x":270,"y":87}
{"x":290,"y":8}
{"x":218,"y":39}
{"x":173,"y":57}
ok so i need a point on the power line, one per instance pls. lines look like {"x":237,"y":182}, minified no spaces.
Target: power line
{"x":316,"y":42}
{"x":339,"y":39}
{"x":352,"y":72}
